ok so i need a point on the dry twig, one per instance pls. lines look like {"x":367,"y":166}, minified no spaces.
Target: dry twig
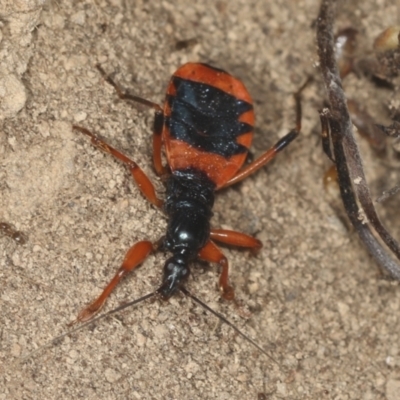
{"x":339,"y":144}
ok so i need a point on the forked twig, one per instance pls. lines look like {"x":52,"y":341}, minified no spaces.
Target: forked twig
{"x":340,"y":145}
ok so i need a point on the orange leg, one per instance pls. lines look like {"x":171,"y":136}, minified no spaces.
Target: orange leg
{"x":273,"y":151}
{"x":263,"y":159}
{"x":133,"y":258}
{"x":158,"y":120}
{"x":235,"y":238}
{"x":141,"y":179}
{"x":211,"y":253}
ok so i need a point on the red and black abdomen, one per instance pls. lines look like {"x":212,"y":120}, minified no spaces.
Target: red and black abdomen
{"x":208,"y":122}
{"x":207,"y":118}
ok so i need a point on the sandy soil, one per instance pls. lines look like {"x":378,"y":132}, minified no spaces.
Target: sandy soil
{"x":312,"y":298}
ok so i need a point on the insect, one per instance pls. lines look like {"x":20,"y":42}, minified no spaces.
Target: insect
{"x":206,"y":128}
{"x":8,"y":230}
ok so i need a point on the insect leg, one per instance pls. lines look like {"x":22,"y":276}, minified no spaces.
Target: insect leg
{"x":274,"y":150}
{"x":211,"y":253}
{"x":133,"y":258}
{"x":127,"y":96}
{"x":158,"y":119}
{"x":235,"y":238}
{"x":157,"y":143}
{"x":141,"y":179}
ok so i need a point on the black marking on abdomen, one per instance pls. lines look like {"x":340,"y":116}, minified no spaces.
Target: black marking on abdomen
{"x":207,"y":118}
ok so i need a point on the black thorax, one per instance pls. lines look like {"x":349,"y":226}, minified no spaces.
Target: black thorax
{"x":190,"y":198}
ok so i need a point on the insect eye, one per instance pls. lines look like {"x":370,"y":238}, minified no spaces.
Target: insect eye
{"x":169,"y":266}
{"x":185,"y":273}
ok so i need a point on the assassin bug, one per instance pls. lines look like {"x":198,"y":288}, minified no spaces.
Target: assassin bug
{"x":206,"y":128}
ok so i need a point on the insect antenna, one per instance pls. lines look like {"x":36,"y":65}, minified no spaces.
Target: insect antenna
{"x":227,"y":322}
{"x":140,"y":300}
{"x":79,"y":327}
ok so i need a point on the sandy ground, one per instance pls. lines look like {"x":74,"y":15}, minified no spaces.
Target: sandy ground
{"x":312,"y":298}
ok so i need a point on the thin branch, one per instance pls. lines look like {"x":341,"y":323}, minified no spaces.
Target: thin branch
{"x":337,"y":127}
